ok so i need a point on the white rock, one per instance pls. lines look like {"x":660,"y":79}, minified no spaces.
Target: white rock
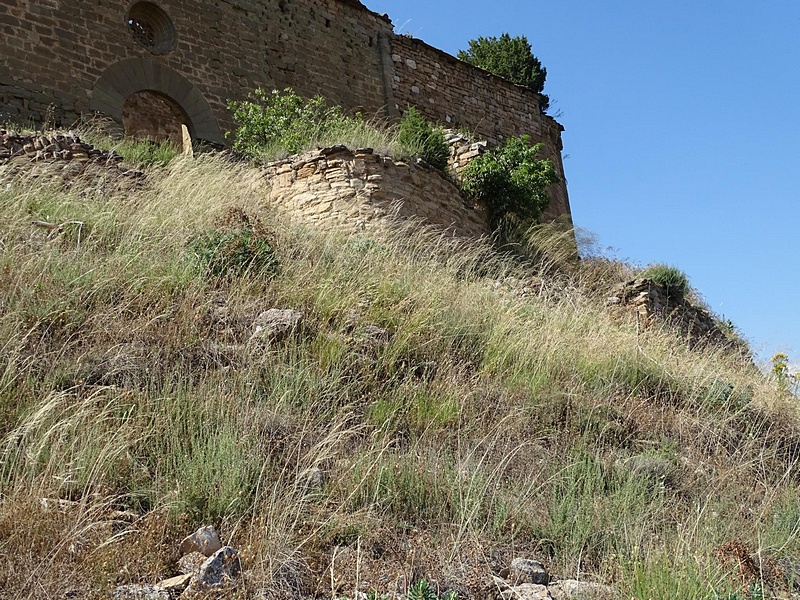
{"x":526,"y":591}
{"x":275,"y":324}
{"x":175,"y":584}
{"x":571,"y":589}
{"x":205,"y":540}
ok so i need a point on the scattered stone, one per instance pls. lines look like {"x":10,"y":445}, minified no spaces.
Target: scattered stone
{"x":276,"y":325}
{"x":191,"y":563}
{"x":205,"y":540}
{"x":311,"y":480}
{"x":524,"y":570}
{"x":376,"y":337}
{"x":350,"y":320}
{"x":526,"y":591}
{"x":218,"y":572}
{"x":571,"y":589}
{"x":140,"y":592}
{"x":175,"y":585}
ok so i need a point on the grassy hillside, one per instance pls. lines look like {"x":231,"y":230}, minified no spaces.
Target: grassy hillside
{"x":428,"y":419}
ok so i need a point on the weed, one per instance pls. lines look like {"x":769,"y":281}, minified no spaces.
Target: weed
{"x":423,"y":590}
{"x":232,"y":253}
{"x":447,"y":416}
{"x":672,"y":279}
{"x":420,"y":138}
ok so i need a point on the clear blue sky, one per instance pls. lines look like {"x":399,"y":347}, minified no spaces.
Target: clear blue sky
{"x":682,"y":134}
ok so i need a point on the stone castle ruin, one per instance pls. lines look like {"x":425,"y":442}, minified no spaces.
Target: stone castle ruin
{"x":168,"y":68}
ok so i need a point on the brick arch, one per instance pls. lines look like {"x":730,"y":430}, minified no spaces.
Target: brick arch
{"x":127,"y":77}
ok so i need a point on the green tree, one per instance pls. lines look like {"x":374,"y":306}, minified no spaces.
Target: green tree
{"x":511,"y":182}
{"x":510,"y":58}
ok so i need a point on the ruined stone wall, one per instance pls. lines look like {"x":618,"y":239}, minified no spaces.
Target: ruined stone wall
{"x":450,"y":91}
{"x":652,"y":306}
{"x":358,"y":189}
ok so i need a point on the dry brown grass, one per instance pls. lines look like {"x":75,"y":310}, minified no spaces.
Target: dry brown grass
{"x":490,"y":425}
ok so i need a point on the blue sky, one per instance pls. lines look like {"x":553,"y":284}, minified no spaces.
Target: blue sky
{"x":682,"y":134}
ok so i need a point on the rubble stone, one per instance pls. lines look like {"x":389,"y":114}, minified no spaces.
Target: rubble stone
{"x":205,"y":540}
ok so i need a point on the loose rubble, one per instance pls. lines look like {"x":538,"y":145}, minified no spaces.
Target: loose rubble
{"x":529,"y":580}
{"x":651,"y":304}
{"x":205,"y":540}
{"x":65,"y":159}
{"x":206,"y":567}
{"x":276,"y":325}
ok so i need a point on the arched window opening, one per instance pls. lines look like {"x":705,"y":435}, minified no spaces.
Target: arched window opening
{"x":151,"y":27}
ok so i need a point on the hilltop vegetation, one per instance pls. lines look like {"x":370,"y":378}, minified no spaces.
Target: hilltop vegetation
{"x":440,"y":409}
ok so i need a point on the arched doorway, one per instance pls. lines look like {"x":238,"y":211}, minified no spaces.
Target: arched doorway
{"x":152,"y":116}
{"x":127,"y":79}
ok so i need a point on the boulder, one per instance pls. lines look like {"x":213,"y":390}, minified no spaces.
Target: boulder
{"x":175,"y":585}
{"x":191,"y":563}
{"x":276,"y":325}
{"x":524,"y":570}
{"x":219,"y":572}
{"x":571,"y":589}
{"x":526,"y":591}
{"x":205,"y":540}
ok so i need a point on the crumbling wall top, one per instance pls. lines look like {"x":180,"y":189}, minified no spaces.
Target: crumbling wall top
{"x":359,"y":5}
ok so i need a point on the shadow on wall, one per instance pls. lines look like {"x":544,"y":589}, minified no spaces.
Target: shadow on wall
{"x":148,"y":115}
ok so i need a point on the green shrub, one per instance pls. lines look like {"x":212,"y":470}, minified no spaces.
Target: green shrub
{"x":420,"y":138}
{"x":512,"y":183}
{"x":283,"y":122}
{"x":422,"y":590}
{"x":231,"y":253}
{"x":672,"y":279}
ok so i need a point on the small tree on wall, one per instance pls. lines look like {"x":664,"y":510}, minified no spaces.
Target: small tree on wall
{"x":510,"y":58}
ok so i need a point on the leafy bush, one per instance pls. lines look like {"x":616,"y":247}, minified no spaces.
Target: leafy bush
{"x":419,"y":137}
{"x":671,"y":278}
{"x":285,"y":122}
{"x":422,"y":590}
{"x":512,"y":183}
{"x":231,"y":253}
{"x":510,"y":58}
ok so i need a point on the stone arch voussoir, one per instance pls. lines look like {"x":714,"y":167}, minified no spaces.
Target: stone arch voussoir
{"x":132,"y":75}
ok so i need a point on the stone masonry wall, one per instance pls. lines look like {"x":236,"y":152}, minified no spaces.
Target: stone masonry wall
{"x":448,"y":90}
{"x":356,"y":190}
{"x":61,"y":59}
{"x":54,"y":51}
